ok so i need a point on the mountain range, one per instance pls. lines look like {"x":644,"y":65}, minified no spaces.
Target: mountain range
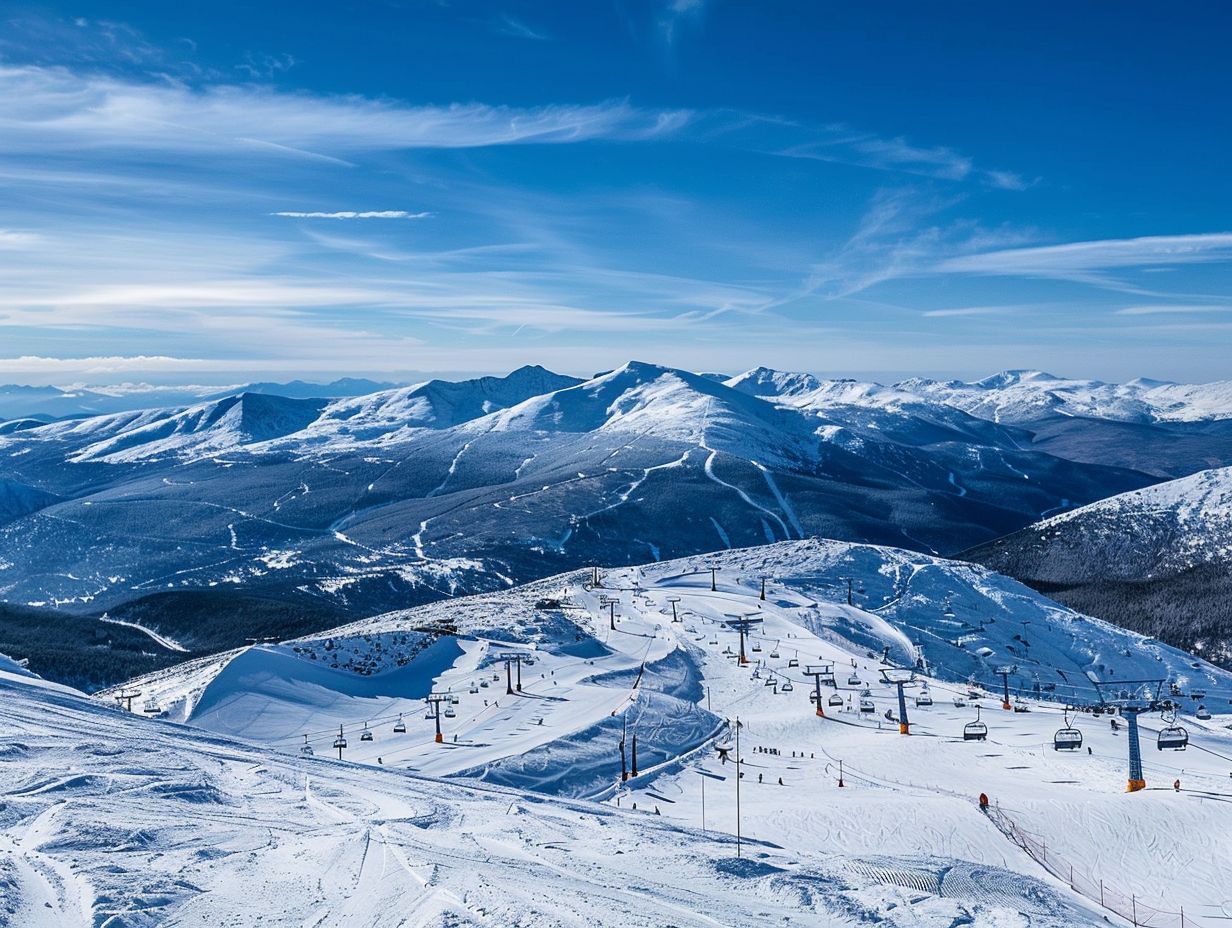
{"x":257,"y":513}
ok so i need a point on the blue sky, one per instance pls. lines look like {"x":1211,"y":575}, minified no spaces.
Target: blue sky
{"x":379,"y":188}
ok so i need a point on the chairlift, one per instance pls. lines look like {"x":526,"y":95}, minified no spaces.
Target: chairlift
{"x":770,"y":681}
{"x":835,"y":700}
{"x":484,"y":684}
{"x":793,"y":662}
{"x":449,"y":712}
{"x":1021,"y":706}
{"x":959,"y":702}
{"x":866,"y":705}
{"x":340,"y":742}
{"x":1203,"y":713}
{"x":305,"y":749}
{"x":924,"y":698}
{"x":977,"y":730}
{"x":399,"y":726}
{"x":787,"y":687}
{"x":853,"y":680}
{"x":474,"y":689}
{"x":1197,"y":694}
{"x":1067,"y":738}
{"x":367,"y":735}
{"x":152,"y":708}
{"x":756,"y":646}
{"x":1172,"y":738}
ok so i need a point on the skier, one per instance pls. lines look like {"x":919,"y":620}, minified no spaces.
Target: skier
{"x":1176,"y":785}
{"x":984,"y":803}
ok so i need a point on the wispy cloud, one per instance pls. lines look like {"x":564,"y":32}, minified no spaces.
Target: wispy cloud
{"x":46,"y":110}
{"x":515,"y":27}
{"x":352,"y":214}
{"x":1077,"y":258}
{"x":840,"y":144}
{"x":676,"y":12}
{"x":971,"y":311}
{"x":1167,"y":309}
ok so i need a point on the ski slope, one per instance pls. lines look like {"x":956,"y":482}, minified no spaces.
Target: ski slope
{"x":907,"y":802}
{"x":146,"y":823}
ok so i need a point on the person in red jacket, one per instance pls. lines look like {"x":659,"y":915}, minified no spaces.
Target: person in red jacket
{"x":983,"y":802}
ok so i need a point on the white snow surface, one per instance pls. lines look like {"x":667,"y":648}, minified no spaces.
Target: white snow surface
{"x":1196,"y":511}
{"x":902,"y":837}
{"x":636,"y":397}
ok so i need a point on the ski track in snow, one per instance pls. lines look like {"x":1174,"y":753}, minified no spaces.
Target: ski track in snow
{"x":169,"y":643}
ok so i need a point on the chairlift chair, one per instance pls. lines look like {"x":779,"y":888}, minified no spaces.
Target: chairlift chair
{"x":152,"y":708}
{"x":399,"y":726}
{"x":1067,"y":738}
{"x":835,"y":700}
{"x":1172,"y":738}
{"x":340,"y":742}
{"x":975,"y":731}
{"x":787,"y":687}
{"x":924,"y":698}
{"x":449,"y":712}
{"x":793,"y":662}
{"x":866,"y":705}
{"x":853,"y":680}
{"x":474,"y":689}
{"x":1203,"y":713}
{"x":756,"y":646}
{"x":959,"y":702}
{"x":484,"y":684}
{"x":305,"y":749}
{"x":367,"y":735}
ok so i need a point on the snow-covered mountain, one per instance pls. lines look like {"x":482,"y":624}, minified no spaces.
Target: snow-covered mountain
{"x":351,"y":506}
{"x":1157,"y":559}
{"x":314,"y":839}
{"x":1026,"y":396}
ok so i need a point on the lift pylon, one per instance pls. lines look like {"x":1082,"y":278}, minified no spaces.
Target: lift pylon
{"x":817,"y":671}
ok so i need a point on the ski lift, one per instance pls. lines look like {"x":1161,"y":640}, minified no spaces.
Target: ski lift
{"x":977,"y":730}
{"x":1203,"y":713}
{"x":959,"y":702}
{"x":399,"y":726}
{"x":853,"y":680}
{"x":474,"y":689}
{"x":866,"y":704}
{"x":770,"y":681}
{"x":787,"y":687}
{"x":1172,"y":738}
{"x":340,"y":741}
{"x":793,"y":662}
{"x":836,"y":700}
{"x":756,"y":646}
{"x":305,"y":749}
{"x":925,"y":698}
{"x":449,"y":712}
{"x":1021,"y":706}
{"x":1198,"y":694}
{"x":1067,"y":738}
{"x":714,"y":640}
{"x":484,"y":684}
{"x":455,"y":700}
{"x":367,"y":735}
{"x":152,"y":708}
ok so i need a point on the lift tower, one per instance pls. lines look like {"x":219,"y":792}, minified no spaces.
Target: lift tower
{"x":1004,"y":674}
{"x":673,"y":600}
{"x":610,"y":602}
{"x":511,"y":658}
{"x":435,"y":700}
{"x":743,"y":625}
{"x":1132,"y":698}
{"x":900,"y":679}
{"x":817,"y":671}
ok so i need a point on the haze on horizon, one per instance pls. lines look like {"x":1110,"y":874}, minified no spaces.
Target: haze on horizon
{"x":383,"y":190}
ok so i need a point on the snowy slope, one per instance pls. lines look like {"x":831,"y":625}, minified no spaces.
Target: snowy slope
{"x":155,"y":824}
{"x":661,"y":681}
{"x":1159,"y":559}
